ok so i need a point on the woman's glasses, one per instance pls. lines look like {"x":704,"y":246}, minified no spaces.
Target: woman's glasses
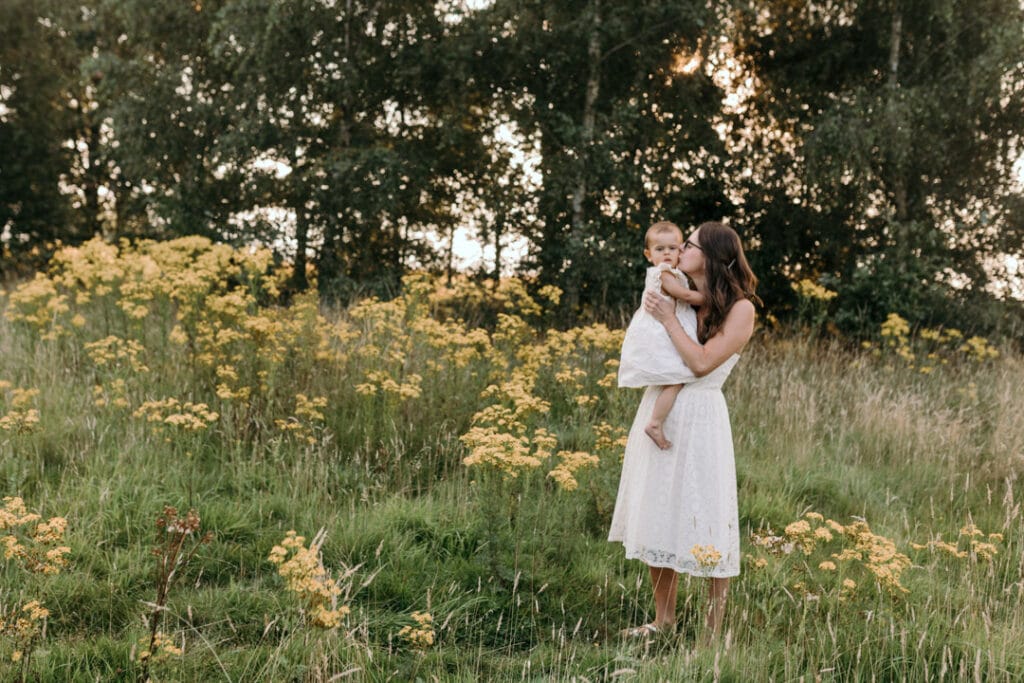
{"x":687,"y":244}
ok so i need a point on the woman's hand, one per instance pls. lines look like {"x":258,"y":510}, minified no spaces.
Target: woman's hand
{"x":658,"y":306}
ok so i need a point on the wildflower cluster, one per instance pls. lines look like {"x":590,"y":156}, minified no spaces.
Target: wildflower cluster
{"x":809,"y":289}
{"x":928,"y":348}
{"x":568,"y":463}
{"x":465,"y":297}
{"x":38,"y":304}
{"x":34,"y":546}
{"x":707,"y":556}
{"x":813,"y":302}
{"x":114,"y":394}
{"x":114,"y":352}
{"x":506,"y":452}
{"x":33,"y":543}
{"x":501,"y":436}
{"x":157,"y":648}
{"x":850,"y":550}
{"x":211,"y":302}
{"x":312,"y":584}
{"x":530,"y":375}
{"x":188,"y":416}
{"x":23,"y":628}
{"x":378,"y":382}
{"x":610,"y":440}
{"x":421,"y":635}
{"x":308,"y":418}
{"x":18,"y":415}
{"x":971,"y":542}
{"x":457,"y":345}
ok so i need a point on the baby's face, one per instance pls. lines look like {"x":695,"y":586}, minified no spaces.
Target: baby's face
{"x":664,"y":247}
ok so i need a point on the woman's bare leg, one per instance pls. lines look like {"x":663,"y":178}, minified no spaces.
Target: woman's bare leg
{"x":718,"y":591}
{"x":665,"y":582}
{"x":662,"y":406}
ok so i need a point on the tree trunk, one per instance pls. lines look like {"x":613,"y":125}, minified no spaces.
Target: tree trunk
{"x":497,"y":250}
{"x":899,"y":181}
{"x":88,"y":132}
{"x":587,"y":138}
{"x":299,"y":283}
{"x":450,"y":268}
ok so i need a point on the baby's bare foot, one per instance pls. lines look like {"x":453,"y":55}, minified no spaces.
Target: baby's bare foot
{"x":653,"y":430}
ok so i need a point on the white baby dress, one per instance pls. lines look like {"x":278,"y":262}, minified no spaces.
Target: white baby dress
{"x":648,"y":356}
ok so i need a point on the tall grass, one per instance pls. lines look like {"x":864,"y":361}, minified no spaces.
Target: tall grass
{"x":514,"y":570}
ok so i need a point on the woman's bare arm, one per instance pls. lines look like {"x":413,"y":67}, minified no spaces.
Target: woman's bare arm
{"x":733,"y":336}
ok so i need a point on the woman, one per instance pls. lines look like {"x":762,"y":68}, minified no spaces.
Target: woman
{"x":676,"y":509}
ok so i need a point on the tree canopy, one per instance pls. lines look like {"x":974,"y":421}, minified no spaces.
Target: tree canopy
{"x":867,"y":146}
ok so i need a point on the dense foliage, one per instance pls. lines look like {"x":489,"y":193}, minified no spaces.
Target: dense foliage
{"x":866,"y":146}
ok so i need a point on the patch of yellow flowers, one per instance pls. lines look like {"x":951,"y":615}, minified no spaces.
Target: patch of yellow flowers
{"x":303,"y":569}
{"x":191,"y":417}
{"x":162,"y":648}
{"x":972,"y":542}
{"x":23,"y":628}
{"x":707,"y":556}
{"x":33,"y":543}
{"x":212,"y":309}
{"x":34,"y":546}
{"x":504,"y":437}
{"x":421,"y":635}
{"x":308,"y":418}
{"x":854,"y":549}
{"x":809,"y":289}
{"x":928,"y":348}
{"x":529,"y":372}
{"x":114,"y":352}
{"x":19,"y":418}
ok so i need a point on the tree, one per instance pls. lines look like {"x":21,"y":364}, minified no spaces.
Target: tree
{"x":48,"y":169}
{"x":167,"y":103}
{"x":884,"y":135}
{"x":626,"y":130}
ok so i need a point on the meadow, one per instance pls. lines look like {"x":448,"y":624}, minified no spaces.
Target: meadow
{"x":202,"y":484}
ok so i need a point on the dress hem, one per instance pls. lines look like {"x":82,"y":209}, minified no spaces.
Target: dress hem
{"x":690,"y":568}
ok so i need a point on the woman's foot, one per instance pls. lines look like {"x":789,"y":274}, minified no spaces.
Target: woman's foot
{"x":653,"y":430}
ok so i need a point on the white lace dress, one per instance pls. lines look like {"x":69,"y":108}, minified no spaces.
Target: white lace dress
{"x":671,"y":501}
{"x":648,"y":357}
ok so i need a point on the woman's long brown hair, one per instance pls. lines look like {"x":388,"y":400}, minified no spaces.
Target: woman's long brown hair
{"x":726,"y":273}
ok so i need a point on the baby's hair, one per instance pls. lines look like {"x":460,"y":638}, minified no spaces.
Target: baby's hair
{"x":659,"y":228}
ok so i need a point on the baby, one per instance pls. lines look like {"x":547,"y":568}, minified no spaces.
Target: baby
{"x":648,"y":356}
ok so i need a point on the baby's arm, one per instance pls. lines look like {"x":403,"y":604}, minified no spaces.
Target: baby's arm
{"x":677,"y":290}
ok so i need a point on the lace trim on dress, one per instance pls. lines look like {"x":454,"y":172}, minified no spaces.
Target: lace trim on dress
{"x":663,"y":558}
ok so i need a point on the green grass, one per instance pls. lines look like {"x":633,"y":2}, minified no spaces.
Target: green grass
{"x":517,"y":575}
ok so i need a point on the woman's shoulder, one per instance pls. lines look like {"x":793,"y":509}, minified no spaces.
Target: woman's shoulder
{"x":742,"y":310}
{"x":742,"y":307}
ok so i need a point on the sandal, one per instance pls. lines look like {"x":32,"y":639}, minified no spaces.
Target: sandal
{"x":645,"y":631}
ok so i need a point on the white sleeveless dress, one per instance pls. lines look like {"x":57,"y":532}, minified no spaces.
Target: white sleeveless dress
{"x":670,"y":501}
{"x":648,"y":357}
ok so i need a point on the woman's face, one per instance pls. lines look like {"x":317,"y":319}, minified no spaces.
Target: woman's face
{"x":691,"y":260}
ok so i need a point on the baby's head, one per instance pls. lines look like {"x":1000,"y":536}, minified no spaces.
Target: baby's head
{"x":663,"y":243}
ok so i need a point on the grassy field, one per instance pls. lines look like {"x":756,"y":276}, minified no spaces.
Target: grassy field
{"x":462,"y":467}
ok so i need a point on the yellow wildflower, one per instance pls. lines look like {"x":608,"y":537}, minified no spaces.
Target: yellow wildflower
{"x":707,"y":556}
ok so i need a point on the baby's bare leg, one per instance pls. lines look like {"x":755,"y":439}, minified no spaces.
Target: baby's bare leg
{"x":662,"y":406}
